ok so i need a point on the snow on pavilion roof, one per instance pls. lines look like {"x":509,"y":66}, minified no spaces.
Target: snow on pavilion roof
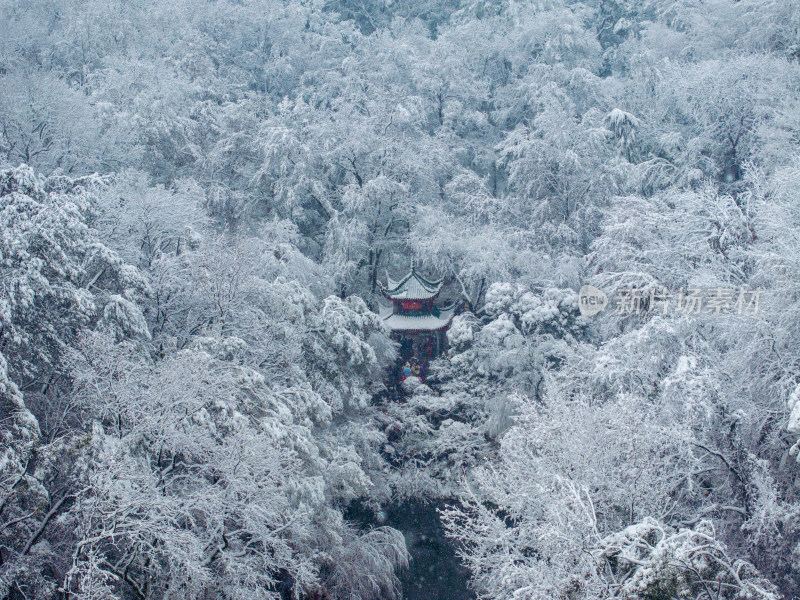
{"x":411,"y":287}
{"x":425,"y":322}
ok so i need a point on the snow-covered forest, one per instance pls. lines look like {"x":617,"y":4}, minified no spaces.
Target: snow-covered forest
{"x":200,"y":201}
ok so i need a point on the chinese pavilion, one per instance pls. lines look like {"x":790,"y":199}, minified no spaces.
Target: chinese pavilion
{"x":415,"y":322}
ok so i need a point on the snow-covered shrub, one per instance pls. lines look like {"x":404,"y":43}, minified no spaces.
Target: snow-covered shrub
{"x":651,"y":560}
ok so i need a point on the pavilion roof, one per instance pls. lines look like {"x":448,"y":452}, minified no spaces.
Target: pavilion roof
{"x":425,"y":322}
{"x":411,"y":287}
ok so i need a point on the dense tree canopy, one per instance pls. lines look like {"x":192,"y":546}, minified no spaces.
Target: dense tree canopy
{"x":199,"y":199}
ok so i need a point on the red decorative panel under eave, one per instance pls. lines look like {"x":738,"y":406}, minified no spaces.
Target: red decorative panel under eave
{"x":411,"y":304}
